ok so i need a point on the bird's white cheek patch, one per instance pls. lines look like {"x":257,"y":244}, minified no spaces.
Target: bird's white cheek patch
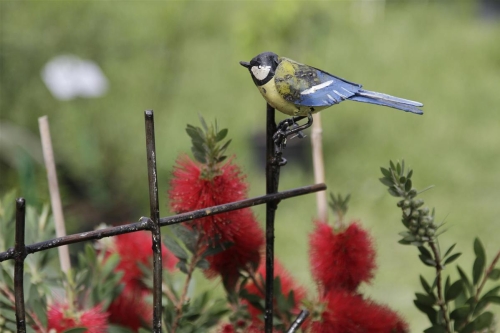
{"x":260,"y":72}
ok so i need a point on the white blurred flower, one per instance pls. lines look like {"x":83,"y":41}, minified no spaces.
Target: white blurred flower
{"x":68,"y":76}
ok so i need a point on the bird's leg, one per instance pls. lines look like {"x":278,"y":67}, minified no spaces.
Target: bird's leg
{"x":283,"y":131}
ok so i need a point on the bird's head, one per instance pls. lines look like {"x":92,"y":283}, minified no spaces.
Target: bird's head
{"x":262,"y":67}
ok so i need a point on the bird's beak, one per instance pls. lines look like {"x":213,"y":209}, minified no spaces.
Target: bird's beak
{"x":245,"y":64}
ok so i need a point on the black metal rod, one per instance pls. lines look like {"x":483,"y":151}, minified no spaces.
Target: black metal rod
{"x":155,"y":218}
{"x":299,"y":321}
{"x":144,"y":223}
{"x":272,"y":180}
{"x":19,"y":256}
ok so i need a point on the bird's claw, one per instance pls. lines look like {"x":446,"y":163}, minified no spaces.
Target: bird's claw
{"x":289,"y":128}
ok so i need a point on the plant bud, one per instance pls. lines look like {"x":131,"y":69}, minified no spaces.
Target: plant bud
{"x":418,"y":237}
{"x":421,"y":231}
{"x":407,"y":212}
{"x":430,"y":232}
{"x":412,"y":193}
{"x":413,"y":222}
{"x":424,"y":211}
{"x":400,"y":203}
{"x":415,"y":214}
{"x":417,"y":203}
{"x":425,"y":221}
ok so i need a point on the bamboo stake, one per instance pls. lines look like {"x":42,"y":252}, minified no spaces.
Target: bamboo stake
{"x":319,"y":167}
{"x":55,"y":198}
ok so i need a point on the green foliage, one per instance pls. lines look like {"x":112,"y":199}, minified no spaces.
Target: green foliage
{"x":339,"y":206}
{"x":418,"y":220}
{"x":95,"y":277}
{"x":458,"y":306}
{"x":41,"y":275}
{"x":207,"y":146}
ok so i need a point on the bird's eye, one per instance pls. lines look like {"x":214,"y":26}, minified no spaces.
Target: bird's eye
{"x":260,"y":67}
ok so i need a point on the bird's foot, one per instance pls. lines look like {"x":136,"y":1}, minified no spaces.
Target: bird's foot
{"x":289,"y":128}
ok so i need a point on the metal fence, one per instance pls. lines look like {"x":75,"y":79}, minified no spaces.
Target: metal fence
{"x":154,"y":223}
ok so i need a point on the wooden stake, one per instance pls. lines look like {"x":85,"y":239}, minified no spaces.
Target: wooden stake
{"x":55,"y":198}
{"x":319,"y":166}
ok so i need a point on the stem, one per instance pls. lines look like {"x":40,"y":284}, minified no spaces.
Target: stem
{"x":486,"y":275}
{"x":33,"y":316}
{"x":182,"y":299}
{"x":166,"y":289}
{"x":441,"y":301}
{"x":261,"y":290}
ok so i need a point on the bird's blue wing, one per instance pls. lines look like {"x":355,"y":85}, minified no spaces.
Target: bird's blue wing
{"x":308,"y":86}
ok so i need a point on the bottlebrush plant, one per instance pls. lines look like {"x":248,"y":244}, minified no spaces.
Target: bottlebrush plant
{"x":458,"y":306}
{"x":110,"y":287}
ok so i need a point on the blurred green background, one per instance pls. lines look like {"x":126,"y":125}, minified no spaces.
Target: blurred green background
{"x":181,"y":58}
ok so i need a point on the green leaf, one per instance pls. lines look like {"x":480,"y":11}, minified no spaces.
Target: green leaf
{"x":460,"y":313}
{"x":453,"y":291}
{"x":427,"y":261}
{"x":216,"y":248}
{"x":386,"y":181}
{"x":426,"y":286}
{"x":483,"y":321}
{"x":203,"y":123}
{"x":386,"y":172}
{"x":465,"y":280}
{"x":494,"y":274}
{"x":221,"y":135}
{"x":479,"y":249}
{"x":176,"y":249}
{"x":76,"y":330}
{"x":425,"y":299}
{"x":436,"y":329}
{"x":188,"y":236}
{"x":428,"y":310}
{"x":477,"y":270}
{"x":452,"y":258}
{"x":408,"y":184}
{"x":203,"y":264}
{"x":425,"y":253}
{"x":449,"y":250}
{"x":393,"y":167}
{"x":493,"y":291}
{"x":182,"y":265}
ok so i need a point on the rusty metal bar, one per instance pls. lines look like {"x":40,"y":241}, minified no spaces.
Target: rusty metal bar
{"x":143,"y":224}
{"x":299,"y":321}
{"x":19,"y":256}
{"x":155,"y":218}
{"x":272,"y":180}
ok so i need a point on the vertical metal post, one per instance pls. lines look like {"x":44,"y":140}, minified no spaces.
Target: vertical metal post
{"x":19,"y":256}
{"x":155,"y":217}
{"x":272,"y":180}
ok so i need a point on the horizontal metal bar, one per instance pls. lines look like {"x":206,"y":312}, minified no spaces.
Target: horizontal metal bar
{"x":145,"y":223}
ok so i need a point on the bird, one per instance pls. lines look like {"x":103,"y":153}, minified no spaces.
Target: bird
{"x":301,"y":90}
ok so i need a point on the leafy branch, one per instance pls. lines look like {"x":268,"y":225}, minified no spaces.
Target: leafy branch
{"x":468,"y":313}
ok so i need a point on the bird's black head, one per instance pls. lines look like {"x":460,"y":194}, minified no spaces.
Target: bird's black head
{"x":262,"y":67}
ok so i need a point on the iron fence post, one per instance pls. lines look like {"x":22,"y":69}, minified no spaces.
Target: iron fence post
{"x":155,"y":219}
{"x":272,"y":180}
{"x":19,"y":256}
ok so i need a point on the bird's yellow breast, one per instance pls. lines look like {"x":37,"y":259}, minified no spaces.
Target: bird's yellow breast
{"x":274,"y":98}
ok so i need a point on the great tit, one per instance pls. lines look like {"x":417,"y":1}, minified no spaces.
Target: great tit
{"x":299,"y":90}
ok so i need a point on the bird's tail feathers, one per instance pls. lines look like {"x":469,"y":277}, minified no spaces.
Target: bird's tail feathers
{"x":373,"y":97}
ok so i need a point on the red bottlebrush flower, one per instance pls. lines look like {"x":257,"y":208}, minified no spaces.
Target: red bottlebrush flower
{"x":130,"y":308}
{"x":287,"y":285}
{"x":350,"y":313}
{"x":59,"y":319}
{"x":190,"y":191}
{"x":341,"y":260}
